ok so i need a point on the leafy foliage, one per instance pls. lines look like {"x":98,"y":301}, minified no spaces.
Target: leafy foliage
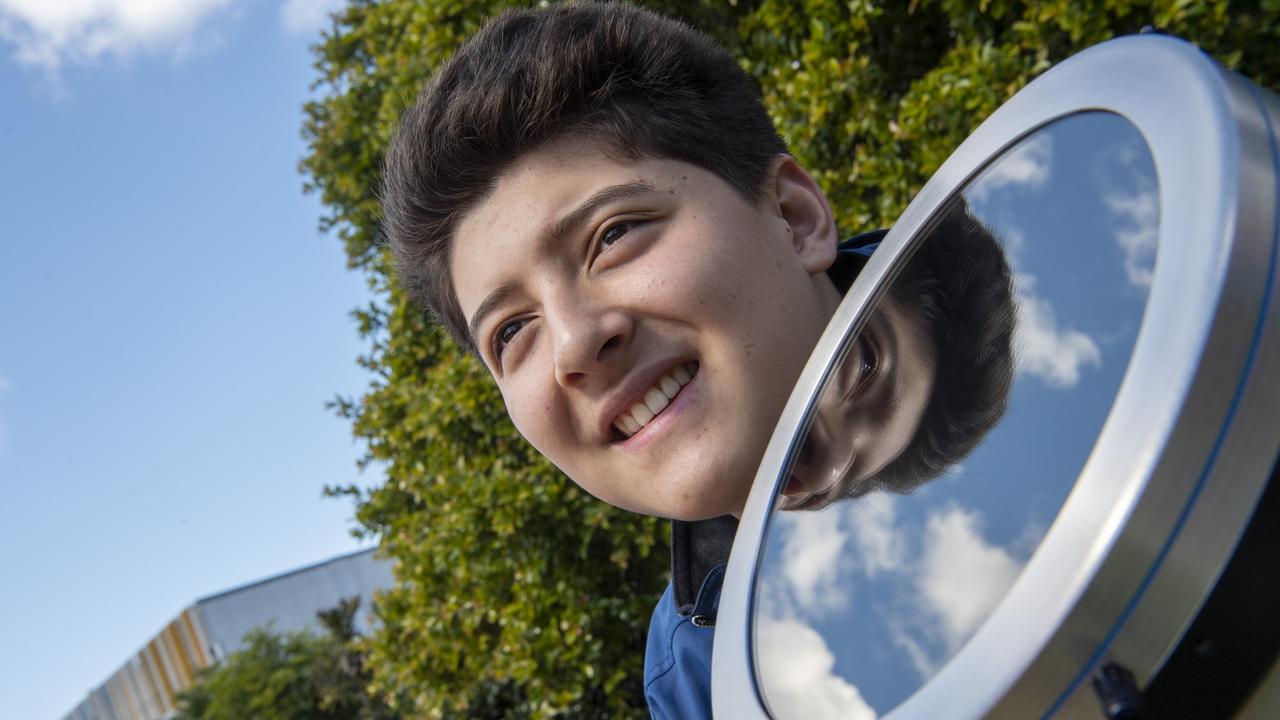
{"x":292,"y":676}
{"x":519,"y":595}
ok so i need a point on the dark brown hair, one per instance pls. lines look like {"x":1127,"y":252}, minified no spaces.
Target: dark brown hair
{"x":636,"y":83}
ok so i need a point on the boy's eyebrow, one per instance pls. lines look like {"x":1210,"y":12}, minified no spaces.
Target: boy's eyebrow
{"x":558,"y":229}
{"x":579,"y":215}
{"x":491,"y":302}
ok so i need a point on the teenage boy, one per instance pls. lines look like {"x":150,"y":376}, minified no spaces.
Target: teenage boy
{"x":592,"y":199}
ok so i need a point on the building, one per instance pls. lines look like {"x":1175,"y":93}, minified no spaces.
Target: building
{"x":213,"y":627}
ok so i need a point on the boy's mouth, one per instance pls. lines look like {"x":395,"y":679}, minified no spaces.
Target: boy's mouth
{"x":655,"y":400}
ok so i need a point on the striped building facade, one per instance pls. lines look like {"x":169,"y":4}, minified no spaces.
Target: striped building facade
{"x":143,"y":687}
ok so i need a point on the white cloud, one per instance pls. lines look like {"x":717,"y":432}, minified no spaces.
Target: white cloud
{"x":937,"y":583}
{"x":1043,"y":349}
{"x":1029,"y":539}
{"x":308,"y":16}
{"x":815,"y":555}
{"x":962,"y":577}
{"x":1125,"y":175}
{"x":1054,"y":354}
{"x":799,"y":681}
{"x":50,"y":33}
{"x":925,"y":662}
{"x":1136,"y":218}
{"x":1013,"y":240}
{"x":1026,"y":166}
{"x":955,"y":579}
{"x":878,"y":547}
{"x":815,"y":548}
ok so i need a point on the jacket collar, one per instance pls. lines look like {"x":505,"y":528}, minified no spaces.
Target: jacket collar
{"x":697,"y":548}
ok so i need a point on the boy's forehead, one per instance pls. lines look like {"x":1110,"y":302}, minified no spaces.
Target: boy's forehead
{"x":556,"y":177}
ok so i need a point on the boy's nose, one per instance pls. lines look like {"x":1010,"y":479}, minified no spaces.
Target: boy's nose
{"x":587,"y":341}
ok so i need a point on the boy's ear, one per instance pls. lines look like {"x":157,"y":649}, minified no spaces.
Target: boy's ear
{"x":804,"y":207}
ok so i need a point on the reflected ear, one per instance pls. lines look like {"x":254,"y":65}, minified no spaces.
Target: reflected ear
{"x":804,"y":207}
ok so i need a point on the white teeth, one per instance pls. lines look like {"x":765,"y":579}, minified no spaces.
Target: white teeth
{"x":655,"y":400}
{"x":629,"y":424}
{"x":642,"y":413}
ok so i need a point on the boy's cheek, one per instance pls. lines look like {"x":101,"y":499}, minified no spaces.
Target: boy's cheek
{"x":520,"y":406}
{"x":542,"y":420}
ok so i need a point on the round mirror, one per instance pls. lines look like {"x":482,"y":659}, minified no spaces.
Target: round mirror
{"x":949,"y":434}
{"x":1027,"y":464}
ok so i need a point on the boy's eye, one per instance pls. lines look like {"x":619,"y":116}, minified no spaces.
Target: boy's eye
{"x":505,"y":335}
{"x":866,"y":355}
{"x":614,"y":233}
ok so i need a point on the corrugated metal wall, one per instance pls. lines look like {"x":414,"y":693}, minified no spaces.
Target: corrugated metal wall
{"x":290,"y":601}
{"x":143,"y":688}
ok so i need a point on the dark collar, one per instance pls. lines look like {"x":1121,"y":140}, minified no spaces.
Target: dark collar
{"x":697,"y":547}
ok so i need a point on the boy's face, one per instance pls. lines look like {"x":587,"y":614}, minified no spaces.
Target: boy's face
{"x":644,"y":322}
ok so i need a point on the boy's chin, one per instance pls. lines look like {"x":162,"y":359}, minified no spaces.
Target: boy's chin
{"x":681,"y":484}
{"x":707,"y":514}
{"x":690,"y":506}
{"x":714,"y":503}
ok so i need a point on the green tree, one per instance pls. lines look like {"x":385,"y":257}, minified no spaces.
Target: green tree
{"x":291,"y":676}
{"x":518,"y":595}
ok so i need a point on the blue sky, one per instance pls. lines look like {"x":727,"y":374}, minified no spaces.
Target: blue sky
{"x":171,"y":325}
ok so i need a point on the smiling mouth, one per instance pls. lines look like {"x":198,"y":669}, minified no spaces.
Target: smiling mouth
{"x":655,"y":400}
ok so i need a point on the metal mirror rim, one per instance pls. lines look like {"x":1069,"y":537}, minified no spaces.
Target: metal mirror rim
{"x":1086,"y":594}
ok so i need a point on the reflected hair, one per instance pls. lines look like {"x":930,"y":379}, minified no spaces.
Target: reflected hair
{"x":633,"y":82}
{"x":959,"y":283}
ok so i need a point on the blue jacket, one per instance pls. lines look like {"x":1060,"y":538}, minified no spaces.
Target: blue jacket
{"x":677,"y":659}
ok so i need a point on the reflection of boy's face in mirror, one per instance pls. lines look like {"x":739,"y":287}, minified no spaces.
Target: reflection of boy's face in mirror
{"x":870,"y":409}
{"x":927,"y":377}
